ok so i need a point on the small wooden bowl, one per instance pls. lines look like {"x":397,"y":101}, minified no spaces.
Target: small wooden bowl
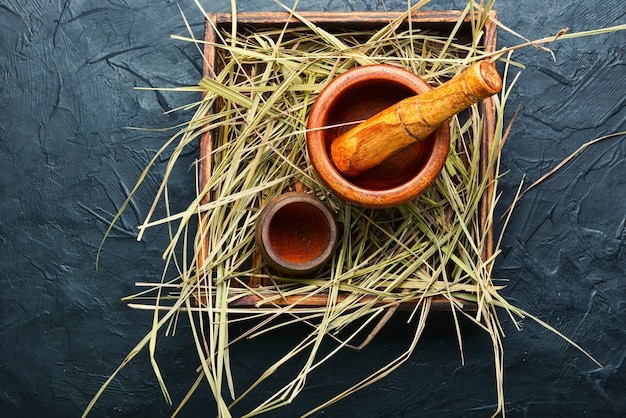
{"x":296,"y":233}
{"x":355,"y":96}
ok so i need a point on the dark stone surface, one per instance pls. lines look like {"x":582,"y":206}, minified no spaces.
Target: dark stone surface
{"x":67,"y":162}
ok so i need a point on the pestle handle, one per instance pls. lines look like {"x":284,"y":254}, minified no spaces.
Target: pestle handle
{"x":411,"y":120}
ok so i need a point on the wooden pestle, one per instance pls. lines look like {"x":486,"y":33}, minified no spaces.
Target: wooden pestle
{"x":411,"y":120}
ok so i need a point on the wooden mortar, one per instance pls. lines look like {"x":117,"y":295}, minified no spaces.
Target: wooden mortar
{"x":376,"y":136}
{"x":353,"y":97}
{"x":296,"y":233}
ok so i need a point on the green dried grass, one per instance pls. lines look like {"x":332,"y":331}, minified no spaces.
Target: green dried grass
{"x":435,"y":246}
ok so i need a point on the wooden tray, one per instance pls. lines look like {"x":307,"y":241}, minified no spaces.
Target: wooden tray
{"x":440,"y":21}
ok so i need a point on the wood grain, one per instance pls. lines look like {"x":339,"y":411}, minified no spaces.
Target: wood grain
{"x":411,"y":120}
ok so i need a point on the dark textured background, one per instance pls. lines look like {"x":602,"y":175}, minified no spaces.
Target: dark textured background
{"x":68,"y":69}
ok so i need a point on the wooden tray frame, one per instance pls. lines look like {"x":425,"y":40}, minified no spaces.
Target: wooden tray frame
{"x":434,"y":20}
